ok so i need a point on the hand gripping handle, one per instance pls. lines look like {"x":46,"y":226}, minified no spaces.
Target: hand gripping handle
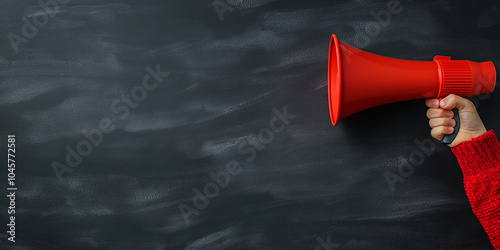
{"x":447,"y":139}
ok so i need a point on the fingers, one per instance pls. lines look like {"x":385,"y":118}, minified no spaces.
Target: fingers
{"x":439,"y":113}
{"x":440,"y":120}
{"x":454,"y":101}
{"x":446,"y":122}
{"x":441,"y":131}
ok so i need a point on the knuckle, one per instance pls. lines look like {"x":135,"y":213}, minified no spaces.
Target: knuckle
{"x":433,"y":123}
{"x":435,"y":133}
{"x":468,"y":103}
{"x":453,"y":98}
{"x":427,"y":102}
{"x":429,"y":113}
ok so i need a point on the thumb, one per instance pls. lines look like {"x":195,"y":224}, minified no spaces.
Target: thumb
{"x":454,"y":101}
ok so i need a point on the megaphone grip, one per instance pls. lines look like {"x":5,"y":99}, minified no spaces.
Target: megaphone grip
{"x":447,"y":139}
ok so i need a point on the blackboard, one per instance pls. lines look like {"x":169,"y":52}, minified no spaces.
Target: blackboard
{"x":128,"y":114}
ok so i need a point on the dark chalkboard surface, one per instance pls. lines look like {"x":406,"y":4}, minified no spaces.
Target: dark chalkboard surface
{"x":202,"y":124}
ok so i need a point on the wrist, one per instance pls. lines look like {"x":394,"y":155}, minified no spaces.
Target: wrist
{"x":479,"y":133}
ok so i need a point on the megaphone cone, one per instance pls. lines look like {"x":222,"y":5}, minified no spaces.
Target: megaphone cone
{"x":358,"y":80}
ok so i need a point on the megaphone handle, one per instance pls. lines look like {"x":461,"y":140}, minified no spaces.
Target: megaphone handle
{"x":447,"y":139}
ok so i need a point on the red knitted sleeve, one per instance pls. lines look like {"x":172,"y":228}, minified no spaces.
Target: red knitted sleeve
{"x":480,"y":163}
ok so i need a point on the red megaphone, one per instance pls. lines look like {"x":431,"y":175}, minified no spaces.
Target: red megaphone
{"x":358,"y":80}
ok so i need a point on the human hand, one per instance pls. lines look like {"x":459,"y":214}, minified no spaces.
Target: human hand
{"x":440,"y":116}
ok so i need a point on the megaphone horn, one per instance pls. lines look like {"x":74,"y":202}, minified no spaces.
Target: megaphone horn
{"x":358,"y":80}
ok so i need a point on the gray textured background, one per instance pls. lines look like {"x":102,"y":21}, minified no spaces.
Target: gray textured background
{"x":312,"y":182}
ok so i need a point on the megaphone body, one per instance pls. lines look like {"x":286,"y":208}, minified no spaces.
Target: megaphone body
{"x":358,"y":80}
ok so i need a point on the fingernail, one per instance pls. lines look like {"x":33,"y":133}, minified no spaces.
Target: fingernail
{"x":435,"y":103}
{"x":449,"y":114}
{"x":452,"y":122}
{"x":450,"y":129}
{"x":443,"y":103}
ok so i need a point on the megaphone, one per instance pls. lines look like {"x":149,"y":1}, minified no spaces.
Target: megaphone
{"x":358,"y":80}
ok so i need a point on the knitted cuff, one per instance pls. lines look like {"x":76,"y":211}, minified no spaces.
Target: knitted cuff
{"x":479,"y":154}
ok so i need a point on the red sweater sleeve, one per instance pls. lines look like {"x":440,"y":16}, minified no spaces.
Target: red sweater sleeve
{"x":480,"y":163}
